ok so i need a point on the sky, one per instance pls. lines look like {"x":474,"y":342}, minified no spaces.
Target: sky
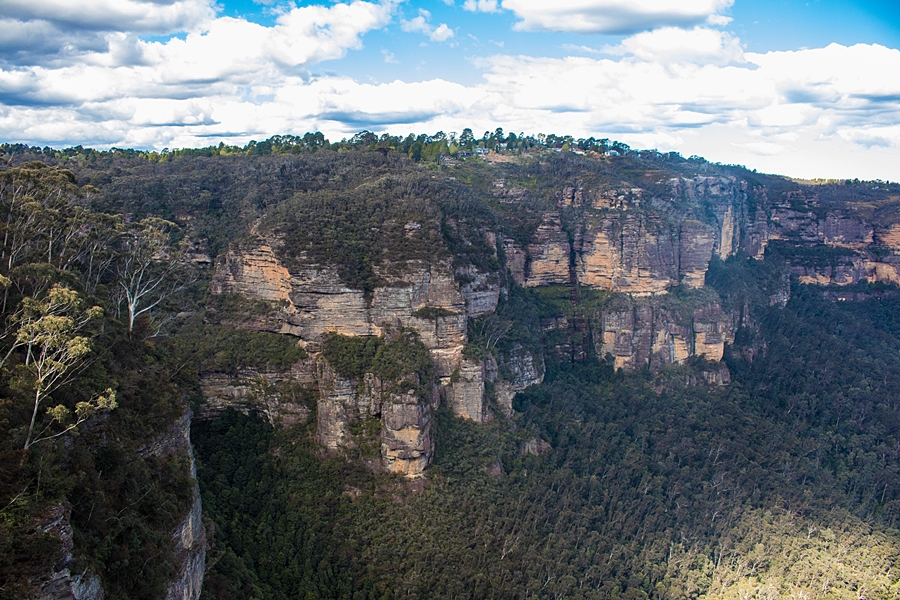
{"x":804,"y":88}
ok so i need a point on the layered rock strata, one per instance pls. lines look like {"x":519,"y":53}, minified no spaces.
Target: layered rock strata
{"x":549,"y":254}
{"x":314,"y":301}
{"x":635,"y":253}
{"x":405,"y":439}
{"x":272,"y":394}
{"x":653,"y":333}
{"x":466,"y":395}
{"x":518,"y":370}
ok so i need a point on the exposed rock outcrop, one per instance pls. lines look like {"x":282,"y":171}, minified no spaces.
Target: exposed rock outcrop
{"x":406,"y":440}
{"x":404,"y":434}
{"x":316,"y":302}
{"x":845,"y":270}
{"x":466,"y":394}
{"x":189,"y":538}
{"x":517,"y":259}
{"x":518,"y":370}
{"x":658,"y":331}
{"x":273,"y":394}
{"x":62,"y":583}
{"x":630,"y":252}
{"x":548,"y":254}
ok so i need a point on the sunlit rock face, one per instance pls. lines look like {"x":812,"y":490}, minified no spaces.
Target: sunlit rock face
{"x":548,"y":254}
{"x":652,"y":333}
{"x":649,"y":247}
{"x":310,"y":301}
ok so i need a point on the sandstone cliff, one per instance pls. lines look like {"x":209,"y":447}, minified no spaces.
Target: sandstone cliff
{"x":278,"y":396}
{"x":654,"y":332}
{"x":517,"y":370}
{"x":548,"y":254}
{"x":309,"y":301}
{"x":188,"y":540}
{"x":62,"y":583}
{"x":189,"y":537}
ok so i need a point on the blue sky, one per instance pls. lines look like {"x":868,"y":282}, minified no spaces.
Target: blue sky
{"x":802,"y":88}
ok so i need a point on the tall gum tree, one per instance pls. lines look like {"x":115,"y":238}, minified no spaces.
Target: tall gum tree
{"x":149,"y":269}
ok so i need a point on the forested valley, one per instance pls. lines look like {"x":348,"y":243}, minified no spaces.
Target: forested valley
{"x":221,"y":327}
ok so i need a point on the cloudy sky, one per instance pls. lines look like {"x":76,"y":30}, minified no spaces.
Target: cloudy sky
{"x":807,"y":88}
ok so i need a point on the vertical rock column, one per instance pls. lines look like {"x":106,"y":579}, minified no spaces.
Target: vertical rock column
{"x":406,"y":443}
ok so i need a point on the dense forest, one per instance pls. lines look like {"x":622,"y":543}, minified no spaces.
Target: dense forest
{"x":601,"y":483}
{"x":782,"y":484}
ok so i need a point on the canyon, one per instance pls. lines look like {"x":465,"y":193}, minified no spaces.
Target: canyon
{"x":649,"y":252}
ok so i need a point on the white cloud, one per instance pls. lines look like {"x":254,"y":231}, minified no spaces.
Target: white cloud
{"x":613,"y":16}
{"x":829,"y":112}
{"x":229,"y":53}
{"x":488,"y":6}
{"x":137,"y":16}
{"x":672,"y":45}
{"x":442,"y":33}
{"x":420,"y":24}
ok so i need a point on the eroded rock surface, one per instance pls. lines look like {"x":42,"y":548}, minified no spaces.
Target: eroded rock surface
{"x":656,"y":332}
{"x":549,"y":254}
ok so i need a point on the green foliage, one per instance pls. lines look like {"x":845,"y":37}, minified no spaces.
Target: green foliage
{"x":235,"y":307}
{"x":351,"y":356}
{"x":220,"y":348}
{"x":650,"y":488}
{"x":818,"y":255}
{"x":402,"y":355}
{"x":383,"y":222}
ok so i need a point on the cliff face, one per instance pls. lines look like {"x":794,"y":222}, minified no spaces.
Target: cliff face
{"x":520,"y":369}
{"x":270,"y":393}
{"x":637,"y":243}
{"x":406,"y":439}
{"x":655,"y":332}
{"x":549,"y":254}
{"x":631,"y":242}
{"x":310,"y":301}
{"x":62,"y":583}
{"x":189,"y":537}
{"x":314,"y":301}
{"x":188,"y":540}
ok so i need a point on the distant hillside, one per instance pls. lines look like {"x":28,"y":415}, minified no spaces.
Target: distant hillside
{"x":504,"y":367}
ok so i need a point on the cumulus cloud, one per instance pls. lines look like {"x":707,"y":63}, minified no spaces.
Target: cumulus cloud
{"x":694,"y":90}
{"x":137,"y":16}
{"x":228,"y":54}
{"x":488,"y":6}
{"x":421,"y":24}
{"x":613,"y":16}
{"x":673,"y":44}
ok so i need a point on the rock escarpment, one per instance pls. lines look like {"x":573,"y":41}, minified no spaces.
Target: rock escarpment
{"x":310,"y":301}
{"x":278,"y":396}
{"x":650,"y":247}
{"x":63,"y":583}
{"x":189,"y":537}
{"x":654,"y":332}
{"x":518,"y":370}
{"x":548,"y":254}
